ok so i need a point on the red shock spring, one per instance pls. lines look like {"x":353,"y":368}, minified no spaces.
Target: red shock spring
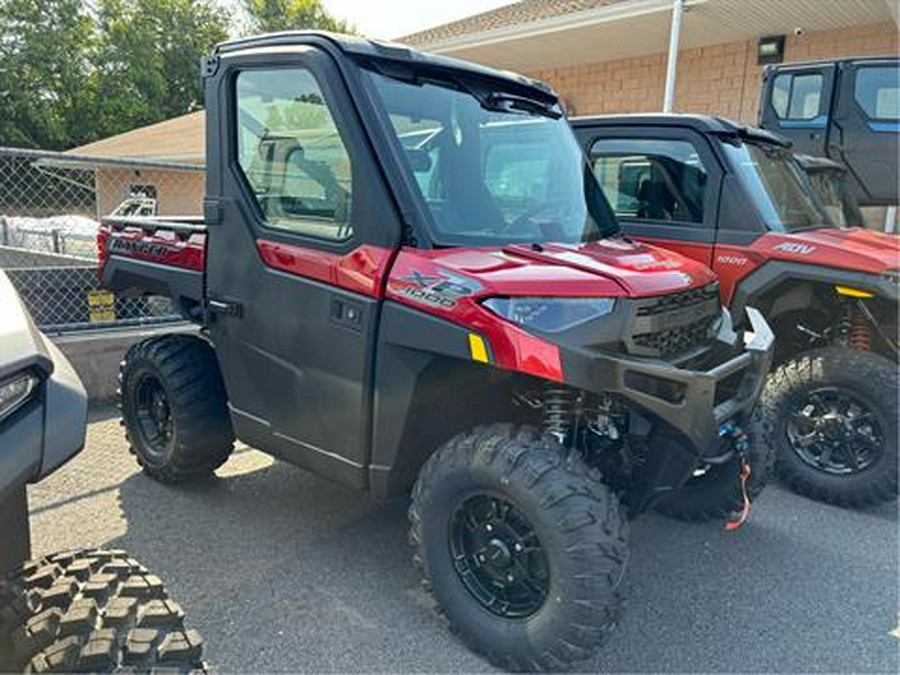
{"x":859,"y":337}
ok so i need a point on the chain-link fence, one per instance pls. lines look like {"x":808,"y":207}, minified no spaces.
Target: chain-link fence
{"x":50,"y":208}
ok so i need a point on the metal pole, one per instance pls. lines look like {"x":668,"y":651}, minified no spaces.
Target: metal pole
{"x":674,"y":39}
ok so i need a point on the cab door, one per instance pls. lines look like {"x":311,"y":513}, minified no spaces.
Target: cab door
{"x":866,"y":128}
{"x":796,"y":103}
{"x":662,"y":183}
{"x":301,"y":233}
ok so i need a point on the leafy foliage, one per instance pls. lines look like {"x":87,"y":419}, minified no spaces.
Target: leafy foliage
{"x":148,"y":56}
{"x":70,"y":75}
{"x":268,"y":16}
{"x":45,"y":48}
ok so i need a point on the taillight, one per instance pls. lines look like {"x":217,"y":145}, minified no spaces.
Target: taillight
{"x":103,"y":234}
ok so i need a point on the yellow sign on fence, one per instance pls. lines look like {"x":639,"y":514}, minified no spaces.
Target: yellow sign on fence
{"x":102,"y":306}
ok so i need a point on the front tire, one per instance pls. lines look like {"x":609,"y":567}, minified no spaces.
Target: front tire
{"x":834,"y":428}
{"x":521,"y":545}
{"x":174,"y":408}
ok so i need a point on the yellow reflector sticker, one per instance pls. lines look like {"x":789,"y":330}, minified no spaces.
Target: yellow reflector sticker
{"x":853,"y":292}
{"x":477,"y":348}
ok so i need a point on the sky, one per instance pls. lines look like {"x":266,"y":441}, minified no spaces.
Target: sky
{"x":387,"y":19}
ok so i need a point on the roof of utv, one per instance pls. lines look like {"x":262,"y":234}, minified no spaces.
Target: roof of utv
{"x":703,"y":124}
{"x":393,"y":53}
{"x":863,"y":60}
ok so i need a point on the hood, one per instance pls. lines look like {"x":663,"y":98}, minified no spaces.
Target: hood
{"x":852,"y":248}
{"x":606,"y":268}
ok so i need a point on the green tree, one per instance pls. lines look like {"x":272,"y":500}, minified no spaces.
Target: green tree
{"x":148,"y":58}
{"x":45,"y":72}
{"x":267,"y":16}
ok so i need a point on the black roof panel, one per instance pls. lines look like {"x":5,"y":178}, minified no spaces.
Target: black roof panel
{"x":377,"y":50}
{"x":704,"y":124}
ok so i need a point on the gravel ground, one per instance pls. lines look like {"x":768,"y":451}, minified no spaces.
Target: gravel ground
{"x":281,"y":570}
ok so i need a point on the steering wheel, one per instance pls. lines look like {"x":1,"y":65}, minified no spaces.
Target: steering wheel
{"x":527,"y":216}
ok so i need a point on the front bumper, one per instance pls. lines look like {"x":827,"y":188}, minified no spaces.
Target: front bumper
{"x":691,"y":403}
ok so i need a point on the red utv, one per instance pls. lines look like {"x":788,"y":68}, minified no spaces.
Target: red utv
{"x":736,"y":199}
{"x":407,"y":278}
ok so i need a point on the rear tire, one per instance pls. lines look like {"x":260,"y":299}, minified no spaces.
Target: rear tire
{"x":717,"y":494}
{"x":823,"y":378}
{"x":92,"y":611}
{"x":548,"y":587}
{"x":174,"y":408}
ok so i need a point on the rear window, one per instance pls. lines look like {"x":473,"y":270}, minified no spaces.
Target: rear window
{"x":877,"y":92}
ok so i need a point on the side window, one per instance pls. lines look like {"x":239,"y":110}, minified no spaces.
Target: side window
{"x":797,"y":96}
{"x":877,"y":91}
{"x":292,"y":154}
{"x":651,"y":180}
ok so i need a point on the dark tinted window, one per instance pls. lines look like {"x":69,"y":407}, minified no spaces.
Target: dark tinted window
{"x":877,"y":91}
{"x":645,"y":179}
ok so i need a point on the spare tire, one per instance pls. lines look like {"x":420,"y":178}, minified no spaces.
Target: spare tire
{"x":92,"y":611}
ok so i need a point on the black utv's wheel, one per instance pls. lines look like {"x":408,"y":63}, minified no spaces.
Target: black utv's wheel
{"x":521,"y":545}
{"x":174,"y":407}
{"x":834,"y":425}
{"x":92,"y":611}
{"x":714,"y":492}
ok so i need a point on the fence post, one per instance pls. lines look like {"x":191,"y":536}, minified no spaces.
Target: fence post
{"x":4,"y":231}
{"x":56,"y":240}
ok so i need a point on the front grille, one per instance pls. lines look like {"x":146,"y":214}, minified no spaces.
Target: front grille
{"x":674,"y":324}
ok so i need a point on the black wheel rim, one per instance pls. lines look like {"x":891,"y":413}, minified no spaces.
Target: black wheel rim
{"x":154,"y":417}
{"x":498,"y":556}
{"x":836,"y":432}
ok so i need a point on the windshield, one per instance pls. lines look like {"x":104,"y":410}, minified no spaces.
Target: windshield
{"x":834,"y":193}
{"x":779,"y":187}
{"x":493,"y":169}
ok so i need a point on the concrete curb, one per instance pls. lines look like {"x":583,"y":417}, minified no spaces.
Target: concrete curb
{"x":96,"y":355}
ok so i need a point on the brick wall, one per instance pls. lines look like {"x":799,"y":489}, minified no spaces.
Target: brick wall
{"x":178,"y":193}
{"x":722,"y":79}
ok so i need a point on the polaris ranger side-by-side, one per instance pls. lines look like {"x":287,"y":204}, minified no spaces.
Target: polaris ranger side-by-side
{"x":407,"y":277}
{"x":736,"y":199}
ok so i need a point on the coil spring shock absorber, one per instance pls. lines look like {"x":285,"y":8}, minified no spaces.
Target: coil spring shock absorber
{"x":558,"y":411}
{"x":859,"y":336}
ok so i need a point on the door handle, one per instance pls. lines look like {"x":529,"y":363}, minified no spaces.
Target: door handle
{"x":346,"y":313}
{"x":225,"y":307}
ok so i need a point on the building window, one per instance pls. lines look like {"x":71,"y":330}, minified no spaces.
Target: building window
{"x":877,"y":92}
{"x":651,"y":180}
{"x":797,"y":96}
{"x":142,"y":191}
{"x":292,"y":155}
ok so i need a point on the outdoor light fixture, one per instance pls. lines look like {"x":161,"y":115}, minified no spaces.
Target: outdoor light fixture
{"x":770,"y":50}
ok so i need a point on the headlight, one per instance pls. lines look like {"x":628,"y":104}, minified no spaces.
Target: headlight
{"x":15,"y":392}
{"x":550,"y":315}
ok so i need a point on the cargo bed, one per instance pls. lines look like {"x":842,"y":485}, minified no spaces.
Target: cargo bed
{"x":155,"y":256}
